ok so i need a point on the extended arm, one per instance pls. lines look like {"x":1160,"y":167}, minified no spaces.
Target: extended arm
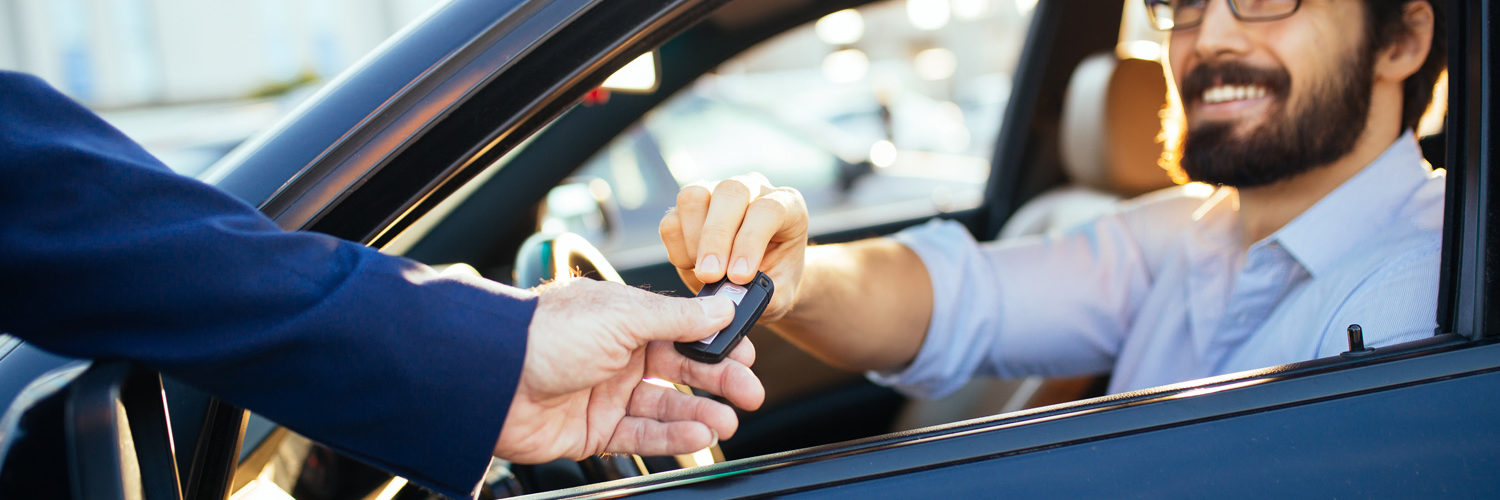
{"x":861,"y":306}
{"x":106,"y":253}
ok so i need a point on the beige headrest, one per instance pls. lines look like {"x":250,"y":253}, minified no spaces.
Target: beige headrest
{"x":1110,"y":124}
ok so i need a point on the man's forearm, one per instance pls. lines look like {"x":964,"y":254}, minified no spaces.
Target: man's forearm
{"x":863,"y":305}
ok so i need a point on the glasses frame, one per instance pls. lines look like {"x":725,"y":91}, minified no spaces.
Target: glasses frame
{"x":1234,"y":9}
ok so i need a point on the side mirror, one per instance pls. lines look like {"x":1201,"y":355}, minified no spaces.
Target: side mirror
{"x":851,"y":172}
{"x":114,"y":441}
{"x":582,"y":206}
{"x":120,"y":442}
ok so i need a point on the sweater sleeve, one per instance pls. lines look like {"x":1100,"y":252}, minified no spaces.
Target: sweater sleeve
{"x":105,"y":253}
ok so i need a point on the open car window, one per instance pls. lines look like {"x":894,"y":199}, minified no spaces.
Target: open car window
{"x":877,"y":114}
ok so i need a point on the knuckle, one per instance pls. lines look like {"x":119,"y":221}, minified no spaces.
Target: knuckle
{"x":734,"y":188}
{"x":642,"y":434}
{"x":693,"y":195}
{"x":669,"y":225}
{"x":768,"y":206}
{"x":758,"y":180}
{"x":662,"y":403}
{"x":794,"y":194}
{"x":717,"y":233}
{"x":798,"y":207}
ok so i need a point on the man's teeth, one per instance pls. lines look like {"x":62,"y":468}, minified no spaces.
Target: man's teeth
{"x":1224,"y":93}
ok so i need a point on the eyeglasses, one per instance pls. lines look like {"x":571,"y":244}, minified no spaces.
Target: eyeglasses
{"x":1171,"y":15}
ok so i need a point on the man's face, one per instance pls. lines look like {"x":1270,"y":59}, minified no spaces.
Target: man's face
{"x":1265,"y":101}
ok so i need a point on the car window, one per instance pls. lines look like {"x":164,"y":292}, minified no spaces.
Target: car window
{"x":878,"y":114}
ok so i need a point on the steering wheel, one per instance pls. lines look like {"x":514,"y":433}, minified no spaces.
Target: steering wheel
{"x":547,"y":256}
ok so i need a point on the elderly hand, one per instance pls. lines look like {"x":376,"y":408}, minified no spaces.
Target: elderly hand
{"x":735,"y":227}
{"x":581,"y":392}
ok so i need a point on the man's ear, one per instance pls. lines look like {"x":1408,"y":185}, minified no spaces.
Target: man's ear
{"x":1404,"y":55}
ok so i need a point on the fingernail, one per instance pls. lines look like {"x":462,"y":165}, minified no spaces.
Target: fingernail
{"x":709,"y":264}
{"x":716,"y":438}
{"x":716,"y":308}
{"x":741,"y":266}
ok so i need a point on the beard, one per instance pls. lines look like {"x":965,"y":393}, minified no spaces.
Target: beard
{"x":1289,"y":142}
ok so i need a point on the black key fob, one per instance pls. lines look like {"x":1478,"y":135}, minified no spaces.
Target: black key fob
{"x":749,"y":301}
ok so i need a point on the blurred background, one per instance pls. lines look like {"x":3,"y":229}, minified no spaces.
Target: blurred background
{"x":191,"y":79}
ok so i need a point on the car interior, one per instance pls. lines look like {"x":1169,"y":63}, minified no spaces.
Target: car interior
{"x":1084,"y":137}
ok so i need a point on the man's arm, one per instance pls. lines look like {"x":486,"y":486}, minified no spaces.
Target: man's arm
{"x":106,"y":253}
{"x":862,"y":306}
{"x":929,"y":307}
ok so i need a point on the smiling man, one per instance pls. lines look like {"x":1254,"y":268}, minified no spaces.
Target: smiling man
{"x":1300,"y":113}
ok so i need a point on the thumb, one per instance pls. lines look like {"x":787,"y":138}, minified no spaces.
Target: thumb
{"x":684,"y":319}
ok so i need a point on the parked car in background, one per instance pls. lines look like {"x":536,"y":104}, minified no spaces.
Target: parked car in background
{"x":444,"y":147}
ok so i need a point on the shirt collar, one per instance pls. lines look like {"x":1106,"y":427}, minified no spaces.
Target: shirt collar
{"x":1350,"y":215}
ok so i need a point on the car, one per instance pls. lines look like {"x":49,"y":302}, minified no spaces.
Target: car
{"x":445,"y":144}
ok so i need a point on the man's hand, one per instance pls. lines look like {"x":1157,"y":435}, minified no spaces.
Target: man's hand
{"x":742,"y":224}
{"x":735,"y":227}
{"x":589,"y":346}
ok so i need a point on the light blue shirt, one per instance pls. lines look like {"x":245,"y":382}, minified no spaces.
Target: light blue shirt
{"x":1162,"y":290}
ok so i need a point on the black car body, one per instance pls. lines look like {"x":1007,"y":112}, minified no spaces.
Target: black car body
{"x":387,"y":143}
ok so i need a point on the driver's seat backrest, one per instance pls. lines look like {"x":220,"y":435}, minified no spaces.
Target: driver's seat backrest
{"x":1108,"y":144}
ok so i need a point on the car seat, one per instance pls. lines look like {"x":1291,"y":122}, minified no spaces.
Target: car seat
{"x":1108,"y":133}
{"x":1109,"y":147}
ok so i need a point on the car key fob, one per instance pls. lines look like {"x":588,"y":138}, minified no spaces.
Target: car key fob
{"x":749,"y":301}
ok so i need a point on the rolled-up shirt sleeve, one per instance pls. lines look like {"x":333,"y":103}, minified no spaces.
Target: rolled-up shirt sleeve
{"x":1042,"y":305}
{"x":954,"y":347}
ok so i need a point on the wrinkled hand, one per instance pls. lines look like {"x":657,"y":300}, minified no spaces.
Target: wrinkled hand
{"x":737,"y":226}
{"x":589,"y":346}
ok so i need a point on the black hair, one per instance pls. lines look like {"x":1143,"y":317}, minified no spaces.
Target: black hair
{"x":1384,"y":25}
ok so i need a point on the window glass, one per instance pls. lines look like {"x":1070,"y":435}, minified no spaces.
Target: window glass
{"x":878,"y":114}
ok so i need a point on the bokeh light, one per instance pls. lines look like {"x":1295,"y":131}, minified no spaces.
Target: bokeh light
{"x":928,"y":15}
{"x":935,"y":64}
{"x":846,"y":66}
{"x":841,"y":28}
